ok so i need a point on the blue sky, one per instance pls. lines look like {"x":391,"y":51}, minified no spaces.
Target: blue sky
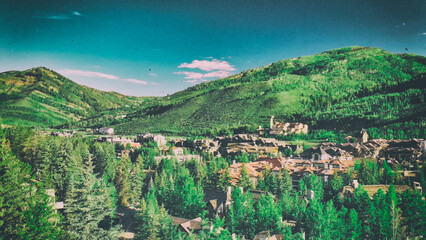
{"x":154,"y":48}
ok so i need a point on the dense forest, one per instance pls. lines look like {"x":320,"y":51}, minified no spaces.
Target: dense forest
{"x":91,"y":182}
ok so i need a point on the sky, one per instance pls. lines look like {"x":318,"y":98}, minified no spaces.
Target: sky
{"x":155,"y":47}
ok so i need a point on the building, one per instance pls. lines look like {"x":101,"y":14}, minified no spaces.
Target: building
{"x":106,"y":130}
{"x":297,"y":168}
{"x":148,"y":137}
{"x":277,"y":128}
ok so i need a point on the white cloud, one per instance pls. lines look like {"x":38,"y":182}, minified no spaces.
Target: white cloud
{"x":195,"y":76}
{"x":218,"y":74}
{"x":76,"y":13}
{"x":192,"y":81}
{"x":90,"y":74}
{"x":137,"y":81}
{"x":207,"y":65}
{"x":82,"y":73}
{"x":153,"y":74}
{"x":191,"y":75}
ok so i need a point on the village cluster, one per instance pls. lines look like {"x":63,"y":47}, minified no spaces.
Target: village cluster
{"x":324,"y":160}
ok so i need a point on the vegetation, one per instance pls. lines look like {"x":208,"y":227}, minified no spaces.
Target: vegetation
{"x":336,"y":92}
{"x":41,"y":97}
{"x":91,"y":182}
{"x":339,"y":90}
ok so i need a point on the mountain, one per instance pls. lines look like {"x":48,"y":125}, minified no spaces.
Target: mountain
{"x":339,"y":90}
{"x":41,"y":97}
{"x":343,"y":89}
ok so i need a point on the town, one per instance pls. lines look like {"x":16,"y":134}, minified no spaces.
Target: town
{"x":252,"y":156}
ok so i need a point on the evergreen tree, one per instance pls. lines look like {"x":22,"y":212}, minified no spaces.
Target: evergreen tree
{"x":413,"y":213}
{"x":302,"y":188}
{"x":153,"y":222}
{"x":25,"y":209}
{"x":395,"y":213}
{"x":40,"y":219}
{"x":284,"y":182}
{"x":389,"y":175}
{"x":241,"y":215}
{"x":224,"y":180}
{"x":137,"y":181}
{"x":104,"y":160}
{"x":190,"y":199}
{"x":87,"y":205}
{"x":323,"y":222}
{"x":315,"y":185}
{"x":366,"y":211}
{"x":268,"y":215}
{"x":122,"y":181}
{"x":368,"y":173}
{"x":381,"y":227}
{"x":354,"y":225}
{"x":245,"y":181}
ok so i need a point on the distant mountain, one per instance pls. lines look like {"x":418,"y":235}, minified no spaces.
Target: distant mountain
{"x":41,"y":97}
{"x":342,"y":89}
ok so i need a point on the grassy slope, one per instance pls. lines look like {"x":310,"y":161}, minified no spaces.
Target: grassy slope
{"x":344,"y":88}
{"x":41,"y":97}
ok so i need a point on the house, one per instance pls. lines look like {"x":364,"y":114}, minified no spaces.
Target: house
{"x":315,"y":154}
{"x":188,"y":225}
{"x":106,"y":130}
{"x":216,"y":201}
{"x":373,"y":189}
{"x":266,"y":235}
{"x":148,"y":137}
{"x":404,"y":150}
{"x":296,"y":167}
{"x":277,"y":128}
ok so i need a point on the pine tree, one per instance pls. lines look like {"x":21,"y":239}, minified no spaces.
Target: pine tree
{"x":315,"y":185}
{"x":284,"y":182}
{"x":414,"y":213}
{"x":104,"y":160}
{"x":190,"y":199}
{"x":354,"y":225}
{"x":268,"y":215}
{"x":245,"y":182}
{"x":224,"y":180}
{"x":137,"y":181}
{"x":25,"y":210}
{"x":389,"y":175}
{"x":153,"y":222}
{"x":241,"y":215}
{"x":87,"y":205}
{"x":40,"y":219}
{"x":323,"y":221}
{"x":302,"y":188}
{"x":395,"y":213}
{"x":122,"y":181}
{"x":382,"y":225}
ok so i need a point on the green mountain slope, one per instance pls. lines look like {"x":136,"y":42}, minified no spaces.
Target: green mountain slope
{"x":343,"y":89}
{"x":41,"y":97}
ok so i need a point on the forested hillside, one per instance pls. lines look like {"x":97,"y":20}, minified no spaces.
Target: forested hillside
{"x":41,"y":97}
{"x":343,"y":89}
